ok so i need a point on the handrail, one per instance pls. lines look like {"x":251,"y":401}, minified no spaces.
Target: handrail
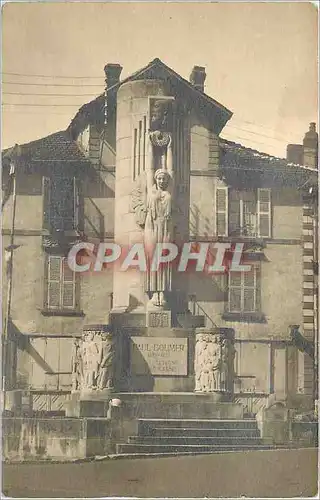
{"x":195,"y":302}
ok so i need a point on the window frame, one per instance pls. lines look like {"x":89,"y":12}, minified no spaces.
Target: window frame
{"x":61,"y":308}
{"x":256,"y":287}
{"x":227,"y":212}
{"x":241,"y":204}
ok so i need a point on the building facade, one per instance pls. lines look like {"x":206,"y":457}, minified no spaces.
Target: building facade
{"x":69,"y":189}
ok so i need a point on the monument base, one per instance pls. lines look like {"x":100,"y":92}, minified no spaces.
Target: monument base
{"x":134,"y":405}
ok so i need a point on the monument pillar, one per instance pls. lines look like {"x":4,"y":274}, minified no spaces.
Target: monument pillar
{"x":156,"y":349}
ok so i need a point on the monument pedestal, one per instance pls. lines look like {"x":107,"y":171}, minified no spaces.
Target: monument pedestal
{"x":152,"y":355}
{"x":155,"y":356}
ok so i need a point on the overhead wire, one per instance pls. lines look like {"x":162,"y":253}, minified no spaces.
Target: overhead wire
{"x":50,"y":76}
{"x":38,"y":105}
{"x":42,"y":84}
{"x":236,"y":120}
{"x":48,"y":94}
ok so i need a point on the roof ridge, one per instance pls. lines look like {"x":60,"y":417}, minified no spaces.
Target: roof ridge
{"x":160,"y":63}
{"x":30,"y":143}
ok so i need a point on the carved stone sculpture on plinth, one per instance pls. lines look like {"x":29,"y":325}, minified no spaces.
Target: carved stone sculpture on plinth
{"x":214,"y":360}
{"x":93,"y":360}
{"x":152,"y":199}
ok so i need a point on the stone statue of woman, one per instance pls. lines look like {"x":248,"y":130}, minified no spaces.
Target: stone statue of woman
{"x":152,"y":197}
{"x":152,"y":204}
{"x":158,"y":222}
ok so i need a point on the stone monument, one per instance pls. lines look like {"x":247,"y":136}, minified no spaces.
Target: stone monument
{"x":155,"y":331}
{"x":154,"y":359}
{"x":153,"y":343}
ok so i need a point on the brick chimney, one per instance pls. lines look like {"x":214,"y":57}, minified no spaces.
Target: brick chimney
{"x":295,"y":153}
{"x":198,"y":77}
{"x":112,"y":74}
{"x":112,"y":77}
{"x":310,"y":147}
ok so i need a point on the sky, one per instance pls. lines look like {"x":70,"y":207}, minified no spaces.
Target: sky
{"x":260,"y":59}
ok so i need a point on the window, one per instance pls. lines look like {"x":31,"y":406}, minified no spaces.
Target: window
{"x":244,"y":291}
{"x":61,"y":284}
{"x":243,"y":212}
{"x":60,"y":203}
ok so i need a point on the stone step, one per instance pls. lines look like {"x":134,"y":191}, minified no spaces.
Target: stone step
{"x":193,"y":431}
{"x":173,"y":398}
{"x":121,"y":456}
{"x":184,"y":410}
{"x":150,"y":423}
{"x":194,"y":440}
{"x":181,"y":448}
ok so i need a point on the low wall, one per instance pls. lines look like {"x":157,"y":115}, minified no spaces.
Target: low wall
{"x":54,"y":438}
{"x":304,"y":434}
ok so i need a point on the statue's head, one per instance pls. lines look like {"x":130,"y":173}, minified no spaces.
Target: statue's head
{"x":158,"y":114}
{"x":89,"y":335}
{"x":162,"y":178}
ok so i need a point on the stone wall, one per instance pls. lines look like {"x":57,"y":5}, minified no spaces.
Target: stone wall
{"x":30,"y":439}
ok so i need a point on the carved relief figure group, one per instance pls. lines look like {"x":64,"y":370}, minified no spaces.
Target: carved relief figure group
{"x":92,"y":363}
{"x":212,"y":366}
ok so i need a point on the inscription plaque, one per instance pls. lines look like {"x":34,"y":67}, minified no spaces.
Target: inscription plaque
{"x":159,"y":356}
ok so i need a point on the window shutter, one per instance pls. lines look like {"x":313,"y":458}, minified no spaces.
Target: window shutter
{"x":46,"y":194}
{"x":54,"y":277}
{"x":264,"y":213}
{"x":222,"y":211}
{"x":68,"y":286}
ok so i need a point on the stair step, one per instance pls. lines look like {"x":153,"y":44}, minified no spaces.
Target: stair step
{"x":198,"y":423}
{"x":180,"y":453}
{"x":194,"y":440}
{"x":193,"y":431}
{"x":155,"y":448}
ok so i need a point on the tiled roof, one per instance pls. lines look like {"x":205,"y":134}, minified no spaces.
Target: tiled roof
{"x":55,"y":147}
{"x":248,"y":156}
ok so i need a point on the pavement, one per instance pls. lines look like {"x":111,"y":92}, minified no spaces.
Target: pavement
{"x":271,"y":473}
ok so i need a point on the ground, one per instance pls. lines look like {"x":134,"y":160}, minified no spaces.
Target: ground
{"x":281,"y":473}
